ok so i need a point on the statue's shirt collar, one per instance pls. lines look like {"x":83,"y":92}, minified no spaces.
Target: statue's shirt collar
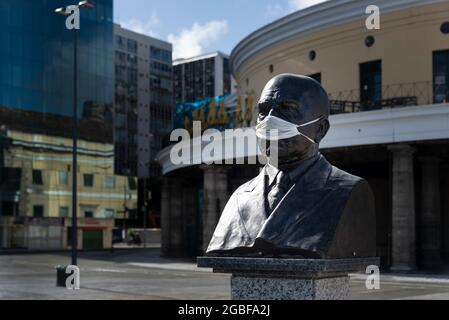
{"x":294,"y":174}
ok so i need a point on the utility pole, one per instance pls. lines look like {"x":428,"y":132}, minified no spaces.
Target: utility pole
{"x":66,"y":11}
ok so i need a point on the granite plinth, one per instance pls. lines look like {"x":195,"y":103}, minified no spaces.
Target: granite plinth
{"x":288,"y":279}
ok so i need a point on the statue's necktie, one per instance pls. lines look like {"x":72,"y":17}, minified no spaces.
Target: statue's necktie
{"x":278,"y":191}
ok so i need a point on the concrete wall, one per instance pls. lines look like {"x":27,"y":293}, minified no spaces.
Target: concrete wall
{"x":32,"y":237}
{"x":44,"y":237}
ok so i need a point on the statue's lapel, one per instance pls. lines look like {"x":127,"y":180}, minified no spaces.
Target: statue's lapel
{"x":251,"y":205}
{"x":298,"y":202}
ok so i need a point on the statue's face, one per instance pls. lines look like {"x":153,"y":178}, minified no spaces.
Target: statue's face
{"x":291,"y":98}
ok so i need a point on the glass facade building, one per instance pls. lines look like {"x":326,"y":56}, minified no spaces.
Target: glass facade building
{"x":36,"y":58}
{"x":36,"y":109}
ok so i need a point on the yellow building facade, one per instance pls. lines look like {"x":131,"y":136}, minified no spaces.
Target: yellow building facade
{"x":40,"y":210}
{"x":335,"y":35}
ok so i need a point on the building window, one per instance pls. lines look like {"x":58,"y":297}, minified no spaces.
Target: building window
{"x":38,"y":211}
{"x":132,"y":183}
{"x":316,"y":76}
{"x":63,"y":178}
{"x":63,"y":212}
{"x":88,"y":211}
{"x":109,"y":182}
{"x":161,"y":67}
{"x":160,"y":54}
{"x":132,"y":46}
{"x":37,"y":177}
{"x":88,"y":180}
{"x":441,"y":76}
{"x":120,"y":42}
{"x":370,"y":82}
{"x":445,"y":27}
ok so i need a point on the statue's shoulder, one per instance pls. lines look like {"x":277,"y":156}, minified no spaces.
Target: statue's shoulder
{"x":250,"y":185}
{"x":342,"y":177}
{"x":348,"y":181}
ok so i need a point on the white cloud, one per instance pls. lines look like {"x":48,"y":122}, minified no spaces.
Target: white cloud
{"x":295,"y":5}
{"x":192,"y":42}
{"x":144,"y":27}
{"x":275,"y":11}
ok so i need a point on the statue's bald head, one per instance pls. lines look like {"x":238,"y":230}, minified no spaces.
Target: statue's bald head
{"x":297,"y":99}
{"x":306,"y":92}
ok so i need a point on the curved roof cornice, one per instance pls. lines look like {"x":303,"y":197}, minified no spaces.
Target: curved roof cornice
{"x":322,"y":16}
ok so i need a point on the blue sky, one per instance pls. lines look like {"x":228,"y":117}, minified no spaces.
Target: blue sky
{"x":200,"y":26}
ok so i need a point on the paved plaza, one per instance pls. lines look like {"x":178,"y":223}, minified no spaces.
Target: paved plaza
{"x":143,"y":275}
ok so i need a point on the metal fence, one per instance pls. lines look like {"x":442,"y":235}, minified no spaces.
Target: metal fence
{"x":395,"y":95}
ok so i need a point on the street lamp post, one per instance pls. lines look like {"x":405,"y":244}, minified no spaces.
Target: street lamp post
{"x":65,"y":11}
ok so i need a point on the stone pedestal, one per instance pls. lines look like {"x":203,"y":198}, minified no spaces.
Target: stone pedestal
{"x":287,"y":279}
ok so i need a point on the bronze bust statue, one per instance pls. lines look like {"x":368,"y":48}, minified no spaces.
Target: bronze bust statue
{"x":305,"y":207}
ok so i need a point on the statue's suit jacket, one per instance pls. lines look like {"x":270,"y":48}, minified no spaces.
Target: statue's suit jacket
{"x":328,"y":213}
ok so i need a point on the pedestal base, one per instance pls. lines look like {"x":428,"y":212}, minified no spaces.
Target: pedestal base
{"x":247,"y":288}
{"x":288,"y":279}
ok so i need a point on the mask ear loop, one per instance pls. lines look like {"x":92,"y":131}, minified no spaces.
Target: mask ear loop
{"x":306,"y":124}
{"x":311,"y":122}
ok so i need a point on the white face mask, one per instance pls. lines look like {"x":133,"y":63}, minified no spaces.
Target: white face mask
{"x":274,"y":128}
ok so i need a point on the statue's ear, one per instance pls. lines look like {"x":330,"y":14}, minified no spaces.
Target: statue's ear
{"x":322,"y":129}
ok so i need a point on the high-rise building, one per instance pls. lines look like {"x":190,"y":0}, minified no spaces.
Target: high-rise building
{"x":144,"y":107}
{"x":143,"y":100}
{"x":36,"y":104}
{"x":202,"y":77}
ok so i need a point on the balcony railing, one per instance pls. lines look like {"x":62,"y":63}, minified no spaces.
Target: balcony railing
{"x":395,"y":95}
